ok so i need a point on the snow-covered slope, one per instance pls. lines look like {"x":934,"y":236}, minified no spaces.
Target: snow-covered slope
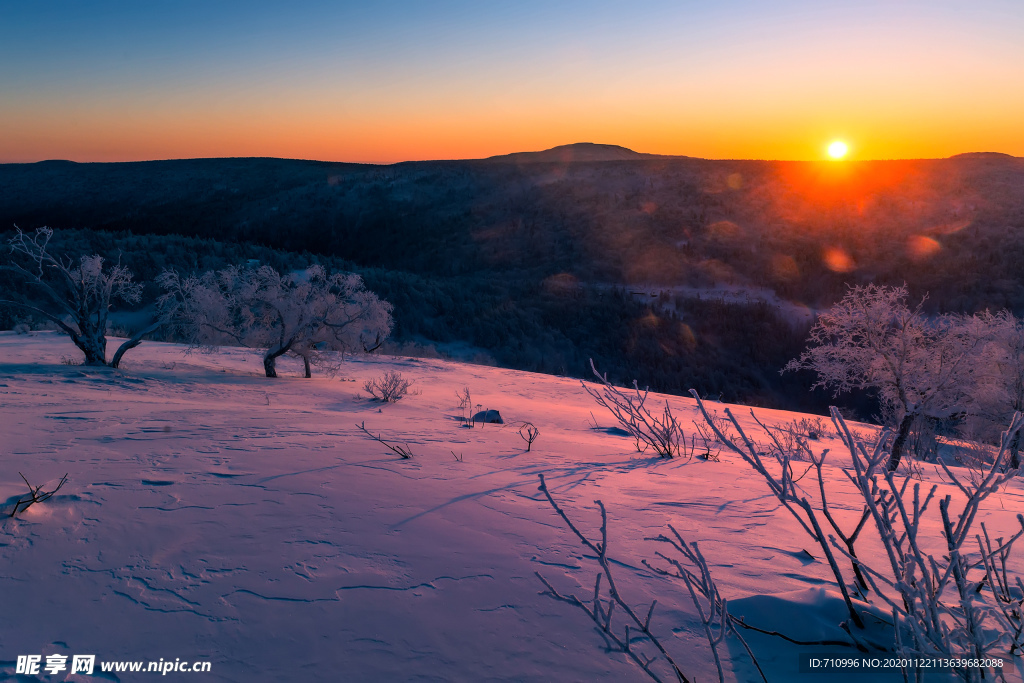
{"x":213,"y":514}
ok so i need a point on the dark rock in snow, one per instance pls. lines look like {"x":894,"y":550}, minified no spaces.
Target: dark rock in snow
{"x":489,"y":416}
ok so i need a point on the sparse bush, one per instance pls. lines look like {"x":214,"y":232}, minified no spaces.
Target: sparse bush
{"x":723,"y":424}
{"x":812,"y":428}
{"x":529,"y":433}
{"x":601,"y":609}
{"x":975,"y":457}
{"x":466,"y":406}
{"x":663,"y":434}
{"x":784,"y":440}
{"x":390,"y":387}
{"x":972,"y":453}
{"x":707,"y":441}
{"x":791,"y":437}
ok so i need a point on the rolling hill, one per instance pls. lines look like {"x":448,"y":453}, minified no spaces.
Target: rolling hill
{"x":212,"y":515}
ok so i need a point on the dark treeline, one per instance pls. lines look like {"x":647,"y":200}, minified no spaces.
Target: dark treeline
{"x":950,"y":227}
{"x":553,"y":326}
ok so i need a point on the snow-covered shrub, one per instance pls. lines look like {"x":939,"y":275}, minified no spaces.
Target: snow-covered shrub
{"x":920,"y":366}
{"x":811,"y":428}
{"x":663,"y":433}
{"x":75,"y":295}
{"x":973,"y":454}
{"x":784,"y":439}
{"x":307,"y":313}
{"x":811,"y":515}
{"x":787,"y":437}
{"x":957,"y":604}
{"x":702,"y":441}
{"x":390,"y":387}
{"x":947,"y":611}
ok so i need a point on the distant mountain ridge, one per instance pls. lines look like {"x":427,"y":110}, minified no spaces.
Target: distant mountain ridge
{"x":805,"y":229}
{"x":579,"y":151}
{"x":574,"y":152}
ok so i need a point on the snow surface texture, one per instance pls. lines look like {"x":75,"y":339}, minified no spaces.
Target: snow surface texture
{"x":213,"y":514}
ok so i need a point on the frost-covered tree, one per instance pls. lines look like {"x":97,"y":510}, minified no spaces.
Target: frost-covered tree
{"x":305,"y":313}
{"x":920,"y":366}
{"x":1001,"y":390}
{"x":74,"y":295}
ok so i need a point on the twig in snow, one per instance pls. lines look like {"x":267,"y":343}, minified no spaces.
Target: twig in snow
{"x":529,"y":434}
{"x":403,"y":451}
{"x":36,"y":494}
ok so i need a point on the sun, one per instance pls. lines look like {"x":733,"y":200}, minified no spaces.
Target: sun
{"x":838,"y":149}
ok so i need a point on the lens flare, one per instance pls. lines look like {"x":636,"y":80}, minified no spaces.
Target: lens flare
{"x":920,"y":247}
{"x":838,"y":260}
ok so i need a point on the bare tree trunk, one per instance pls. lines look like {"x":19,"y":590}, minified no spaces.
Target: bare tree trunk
{"x":270,"y":361}
{"x":1015,"y":452}
{"x":900,"y":441}
{"x":132,"y":343}
{"x":94,"y":346}
{"x":376,"y":345}
{"x":305,"y":363}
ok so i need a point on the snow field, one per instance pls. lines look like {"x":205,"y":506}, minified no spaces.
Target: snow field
{"x":213,"y":514}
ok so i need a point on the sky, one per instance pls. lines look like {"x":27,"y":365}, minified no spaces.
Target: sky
{"x":389,"y":81}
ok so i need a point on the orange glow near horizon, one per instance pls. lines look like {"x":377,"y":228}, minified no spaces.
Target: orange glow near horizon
{"x":420,"y":124}
{"x":384,"y":138}
{"x":362,"y":83}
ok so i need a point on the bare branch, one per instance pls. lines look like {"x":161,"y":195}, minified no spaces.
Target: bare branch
{"x":601,"y":615}
{"x":36,"y":494}
{"x":403,"y":451}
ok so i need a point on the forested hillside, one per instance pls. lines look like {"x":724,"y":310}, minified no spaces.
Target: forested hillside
{"x":720,"y":348}
{"x":952,"y":227}
{"x":534,"y":264}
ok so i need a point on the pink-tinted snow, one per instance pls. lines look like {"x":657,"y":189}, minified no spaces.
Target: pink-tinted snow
{"x":213,"y":514}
